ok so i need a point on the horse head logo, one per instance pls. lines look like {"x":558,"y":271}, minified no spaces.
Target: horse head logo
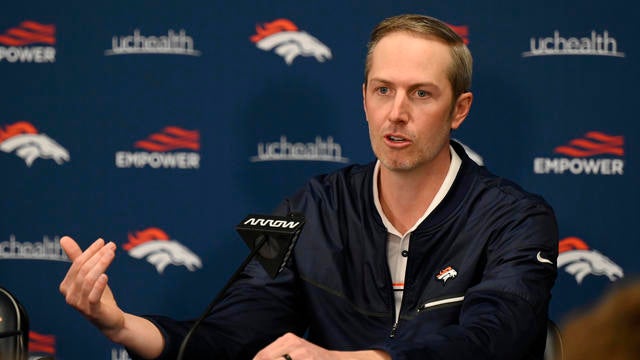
{"x":23,"y":138}
{"x":154,"y":245}
{"x":283,"y":37}
{"x":580,"y":261}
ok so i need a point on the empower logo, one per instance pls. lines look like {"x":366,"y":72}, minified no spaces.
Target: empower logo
{"x":155,"y":246}
{"x":320,"y":150}
{"x":586,"y":155}
{"x":285,"y":39}
{"x":579,"y":260}
{"x":160,"y":150}
{"x":23,"y":138}
{"x":41,"y":345}
{"x":48,"y":249}
{"x":18,"y":44}
{"x":594,"y":44}
{"x":173,"y":43}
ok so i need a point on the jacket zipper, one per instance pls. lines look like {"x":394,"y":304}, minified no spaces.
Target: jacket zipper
{"x":394,"y":329}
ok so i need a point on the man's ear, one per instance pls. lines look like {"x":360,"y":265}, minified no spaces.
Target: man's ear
{"x":364,"y":100}
{"x":461,"y":109}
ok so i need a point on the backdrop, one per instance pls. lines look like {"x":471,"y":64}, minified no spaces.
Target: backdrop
{"x":150,"y":122}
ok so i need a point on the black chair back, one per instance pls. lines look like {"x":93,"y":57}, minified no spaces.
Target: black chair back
{"x":14,"y":328}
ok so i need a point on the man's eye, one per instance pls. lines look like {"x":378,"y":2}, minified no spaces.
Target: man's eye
{"x":422,"y":93}
{"x":383,"y":90}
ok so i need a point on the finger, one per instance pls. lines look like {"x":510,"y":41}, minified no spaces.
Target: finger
{"x":70,"y":247}
{"x":95,"y":266}
{"x":74,"y":253}
{"x":74,"y":283}
{"x":96,"y":279}
{"x":98,"y":288}
{"x":276,"y":349}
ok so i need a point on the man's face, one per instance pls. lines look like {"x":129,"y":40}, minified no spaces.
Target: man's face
{"x":408,"y":101}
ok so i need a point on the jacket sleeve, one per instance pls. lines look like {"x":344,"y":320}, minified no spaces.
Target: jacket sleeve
{"x":505,"y":315}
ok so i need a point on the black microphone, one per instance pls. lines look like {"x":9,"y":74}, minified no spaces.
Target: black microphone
{"x":271,"y":239}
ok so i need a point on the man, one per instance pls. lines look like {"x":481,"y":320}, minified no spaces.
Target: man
{"x":422,"y":254}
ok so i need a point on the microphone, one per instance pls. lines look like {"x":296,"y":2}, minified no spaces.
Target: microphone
{"x":273,"y":236}
{"x":271,"y":239}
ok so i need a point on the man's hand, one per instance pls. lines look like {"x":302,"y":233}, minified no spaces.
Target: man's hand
{"x":85,"y":288}
{"x":297,"y":348}
{"x":85,"y":285}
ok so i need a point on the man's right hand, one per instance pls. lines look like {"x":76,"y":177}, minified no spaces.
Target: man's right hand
{"x":85,"y":285}
{"x":85,"y":288}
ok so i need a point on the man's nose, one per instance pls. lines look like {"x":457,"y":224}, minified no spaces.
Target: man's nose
{"x":400,"y":108}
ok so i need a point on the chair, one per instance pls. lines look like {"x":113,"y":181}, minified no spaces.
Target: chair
{"x":14,"y":328}
{"x":554,"y":350}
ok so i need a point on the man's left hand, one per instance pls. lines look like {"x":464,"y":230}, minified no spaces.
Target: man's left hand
{"x":292,"y":347}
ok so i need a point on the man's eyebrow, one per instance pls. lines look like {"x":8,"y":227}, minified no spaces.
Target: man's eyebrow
{"x":412,"y":86}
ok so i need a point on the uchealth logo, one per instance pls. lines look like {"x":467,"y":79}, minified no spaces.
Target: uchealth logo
{"x":593,"y":44}
{"x":47,"y":249}
{"x":283,"y":150}
{"x":119,"y":354}
{"x":587,"y":155}
{"x":285,"y":39}
{"x":172,"y":43}
{"x":155,"y":246}
{"x":27,"y":43}
{"x":23,"y":138}
{"x":41,"y":345}
{"x":161,"y":150}
{"x":579,"y":260}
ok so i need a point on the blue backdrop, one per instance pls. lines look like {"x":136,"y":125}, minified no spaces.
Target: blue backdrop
{"x":167,"y":122}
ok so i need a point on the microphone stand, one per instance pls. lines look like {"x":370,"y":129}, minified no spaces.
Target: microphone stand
{"x":260,"y":242}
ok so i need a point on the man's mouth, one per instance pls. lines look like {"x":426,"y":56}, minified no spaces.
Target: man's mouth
{"x":396,"y":138}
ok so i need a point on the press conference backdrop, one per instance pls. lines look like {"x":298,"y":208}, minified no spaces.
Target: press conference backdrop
{"x":160,"y":125}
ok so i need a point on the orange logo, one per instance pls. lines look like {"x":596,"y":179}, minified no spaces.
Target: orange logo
{"x":579,"y":260}
{"x":23,"y":138}
{"x":285,"y":39}
{"x":587,"y":155}
{"x":41,"y":343}
{"x":171,"y":138}
{"x":446,"y":274}
{"x":154,"y":245}
{"x":29,"y":32}
{"x":160,"y":150}
{"x":593,"y":143}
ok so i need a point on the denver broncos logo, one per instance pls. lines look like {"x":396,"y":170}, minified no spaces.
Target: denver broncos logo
{"x":23,"y":138}
{"x":154,"y":245}
{"x":283,"y":36}
{"x":580,"y":261}
{"x":446,"y":274}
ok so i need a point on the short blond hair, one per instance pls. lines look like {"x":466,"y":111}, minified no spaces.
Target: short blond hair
{"x":459,"y":74}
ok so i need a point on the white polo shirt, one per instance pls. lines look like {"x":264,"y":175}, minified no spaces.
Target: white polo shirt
{"x":398,"y":244}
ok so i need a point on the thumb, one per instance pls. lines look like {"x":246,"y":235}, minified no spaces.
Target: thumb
{"x":70,"y":247}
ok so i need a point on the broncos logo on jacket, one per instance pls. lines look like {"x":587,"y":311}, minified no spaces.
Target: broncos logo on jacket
{"x":285,"y":39}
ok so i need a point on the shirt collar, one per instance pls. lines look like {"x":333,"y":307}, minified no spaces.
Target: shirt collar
{"x":454,"y":167}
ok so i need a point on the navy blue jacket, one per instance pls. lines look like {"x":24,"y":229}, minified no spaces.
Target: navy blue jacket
{"x":493,"y":244}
